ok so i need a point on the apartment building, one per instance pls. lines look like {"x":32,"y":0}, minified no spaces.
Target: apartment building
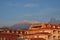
{"x":6,"y":36}
{"x":45,"y":31}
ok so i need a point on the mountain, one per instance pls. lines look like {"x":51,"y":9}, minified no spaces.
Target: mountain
{"x":54,"y":21}
{"x":17,"y":26}
{"x":23,"y":24}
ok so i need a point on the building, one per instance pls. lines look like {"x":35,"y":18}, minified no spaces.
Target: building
{"x":45,"y":31}
{"x":6,"y":36}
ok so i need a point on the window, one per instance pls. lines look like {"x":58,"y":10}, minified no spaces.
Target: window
{"x":58,"y":26}
{"x":41,"y":31}
{"x":37,"y":26}
{"x":21,"y":32}
{"x":28,"y":33}
{"x":54,"y":37}
{"x":18,"y":35}
{"x":35,"y":36}
{"x":2,"y":31}
{"x":10,"y":31}
{"x":18,"y":32}
{"x":58,"y":32}
{"x":48,"y":37}
{"x":14,"y":31}
{"x":48,"y":26}
{"x":54,"y":31}
{"x":58,"y":37}
{"x":53,"y":26}
{"x":39,"y":36}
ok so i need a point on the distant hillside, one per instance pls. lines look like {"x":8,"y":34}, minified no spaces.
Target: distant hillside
{"x":18,"y":26}
{"x":23,"y":24}
{"x":27,"y":23}
{"x":54,"y":21}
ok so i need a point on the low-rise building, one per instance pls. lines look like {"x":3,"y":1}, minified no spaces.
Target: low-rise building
{"x":5,"y":36}
{"x":45,"y":31}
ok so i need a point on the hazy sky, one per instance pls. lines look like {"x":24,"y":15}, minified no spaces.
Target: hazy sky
{"x":12,"y":11}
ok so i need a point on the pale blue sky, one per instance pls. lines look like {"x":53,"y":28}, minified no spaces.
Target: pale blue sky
{"x":12,"y":11}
